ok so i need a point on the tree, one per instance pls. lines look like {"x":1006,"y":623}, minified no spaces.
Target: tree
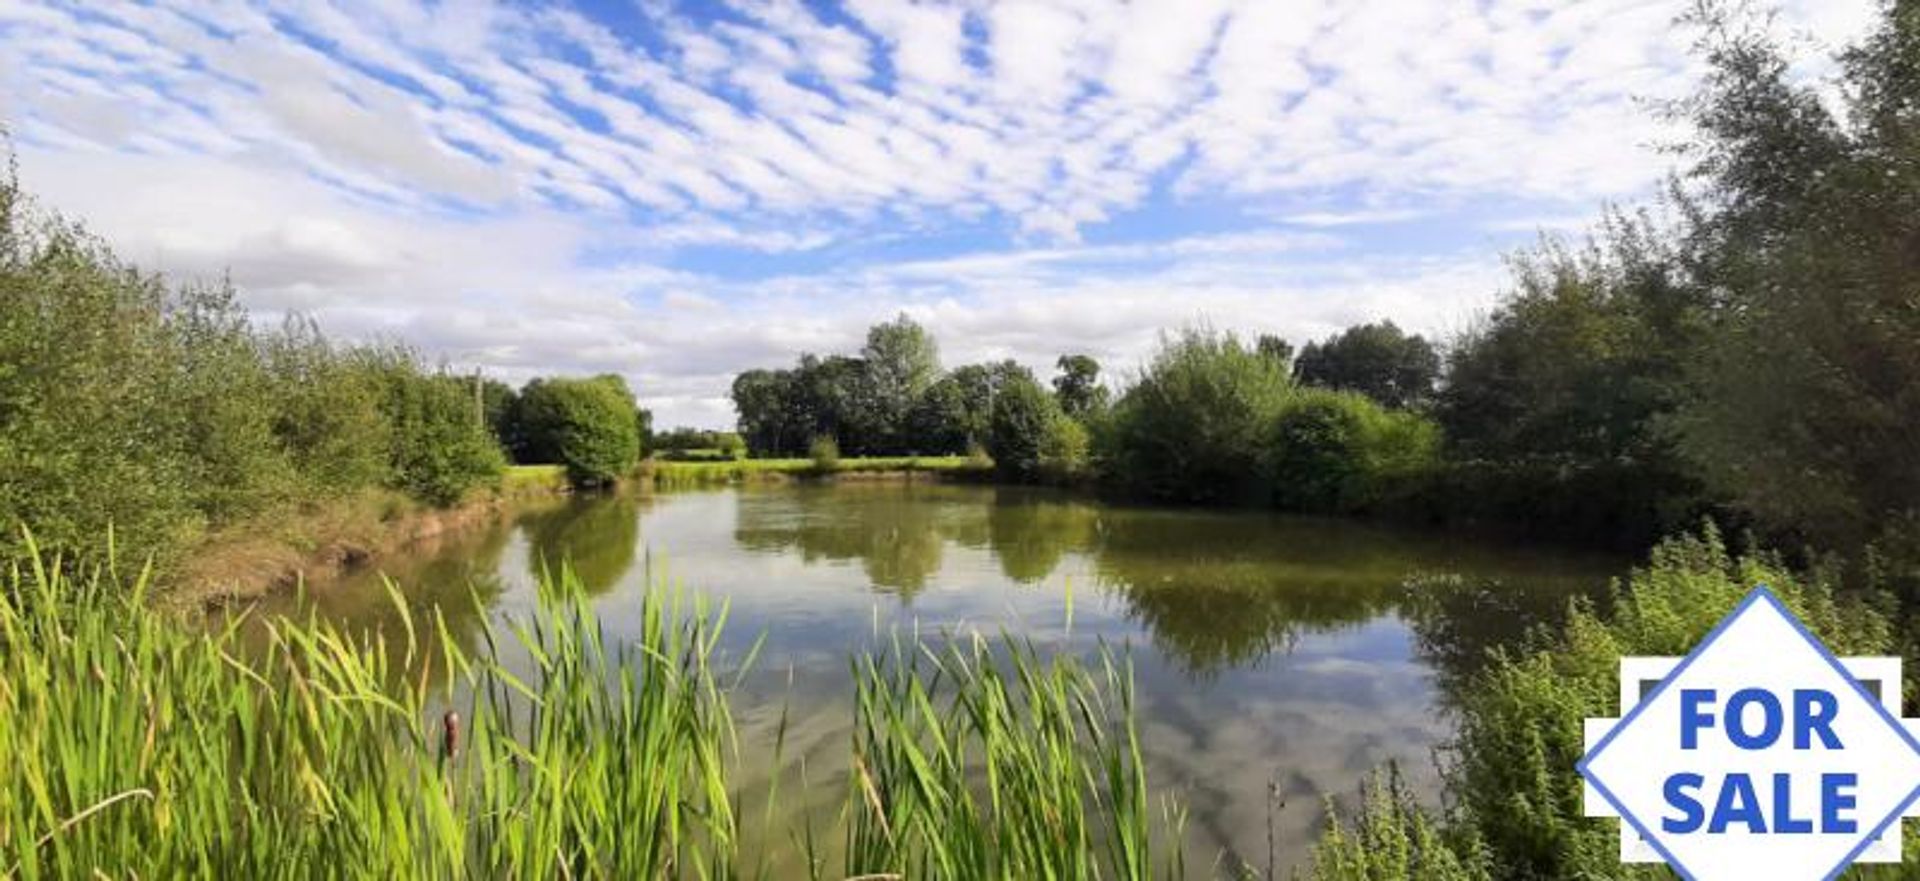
{"x":956,"y":412}
{"x":440,"y":451}
{"x":329,"y":416}
{"x":1194,"y":428}
{"x":496,"y":408}
{"x":1557,"y":407}
{"x":765,"y":402}
{"x":1078,"y":386}
{"x":1584,"y":357}
{"x":1023,"y":418}
{"x":944,"y":420}
{"x":1340,"y":452}
{"x":1806,"y":226}
{"x":1276,"y":348}
{"x":1376,"y":360}
{"x":901,"y":361}
{"x":589,"y":425}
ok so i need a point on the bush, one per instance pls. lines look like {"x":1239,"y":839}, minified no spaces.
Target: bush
{"x":1510,"y":777}
{"x":329,"y":415}
{"x":441,"y":448}
{"x":1023,"y":417}
{"x":589,"y":425}
{"x":1064,"y":449}
{"x":1339,"y":452}
{"x":825,"y":453}
{"x":1196,"y":425}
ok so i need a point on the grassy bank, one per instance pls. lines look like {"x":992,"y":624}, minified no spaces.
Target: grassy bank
{"x":327,"y":537}
{"x":139,"y":749}
{"x":675,"y":475}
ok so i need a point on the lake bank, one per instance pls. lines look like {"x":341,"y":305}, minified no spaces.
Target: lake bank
{"x":320,"y":541}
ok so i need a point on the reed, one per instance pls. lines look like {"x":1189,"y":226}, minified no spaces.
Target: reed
{"x":139,"y":747}
{"x":980,"y":760}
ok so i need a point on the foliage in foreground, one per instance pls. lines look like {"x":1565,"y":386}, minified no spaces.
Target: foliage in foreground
{"x":1066,"y":791}
{"x":1513,"y":801}
{"x":140,"y":749}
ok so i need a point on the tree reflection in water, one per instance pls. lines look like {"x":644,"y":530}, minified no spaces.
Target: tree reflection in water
{"x":598,"y":535}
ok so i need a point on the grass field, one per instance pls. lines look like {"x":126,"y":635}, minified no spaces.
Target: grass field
{"x":519,"y":480}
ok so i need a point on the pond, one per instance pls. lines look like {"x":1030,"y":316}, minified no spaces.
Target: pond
{"x":1277,"y":659}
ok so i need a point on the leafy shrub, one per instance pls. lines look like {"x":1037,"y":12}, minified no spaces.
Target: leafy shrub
{"x":825,"y":453}
{"x":1391,"y":838}
{"x":1064,"y":450}
{"x":329,"y":415}
{"x":1520,"y":719}
{"x":1196,"y":425}
{"x":1023,"y":416}
{"x":441,"y":450}
{"x":589,"y":425}
{"x":1339,"y":452}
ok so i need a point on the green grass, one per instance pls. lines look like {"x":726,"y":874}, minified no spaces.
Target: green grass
{"x":520,"y":480}
{"x":674,"y":475}
{"x":137,"y":747}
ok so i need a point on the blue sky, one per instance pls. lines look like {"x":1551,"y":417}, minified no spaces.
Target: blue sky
{"x":678,"y":191}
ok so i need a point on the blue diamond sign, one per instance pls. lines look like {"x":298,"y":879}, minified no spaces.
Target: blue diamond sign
{"x":1759,"y":755}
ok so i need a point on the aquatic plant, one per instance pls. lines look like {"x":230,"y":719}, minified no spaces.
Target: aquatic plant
{"x":139,"y":746}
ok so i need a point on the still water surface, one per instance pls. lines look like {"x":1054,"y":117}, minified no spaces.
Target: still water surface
{"x":1277,"y":659}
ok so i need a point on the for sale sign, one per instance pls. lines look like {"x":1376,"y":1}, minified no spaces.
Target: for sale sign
{"x":1759,"y":755}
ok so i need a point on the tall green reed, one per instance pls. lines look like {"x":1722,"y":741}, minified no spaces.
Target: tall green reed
{"x":974,"y":763}
{"x":138,"y":748}
{"x":135,"y":746}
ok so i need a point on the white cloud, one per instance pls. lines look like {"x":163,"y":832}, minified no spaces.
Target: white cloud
{"x":504,"y":185}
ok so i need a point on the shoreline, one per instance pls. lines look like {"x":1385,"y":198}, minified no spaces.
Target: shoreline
{"x":322,"y":540}
{"x":319,"y":541}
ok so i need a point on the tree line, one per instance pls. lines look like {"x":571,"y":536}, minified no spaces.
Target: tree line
{"x":162,"y":411}
{"x":1746,"y":347}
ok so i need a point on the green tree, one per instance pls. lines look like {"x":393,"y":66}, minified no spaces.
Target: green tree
{"x":1806,"y":399}
{"x":497,"y":402}
{"x":1339,"y":452}
{"x":1195,"y":426}
{"x":1377,"y":360}
{"x":764,"y":401}
{"x":1023,"y":417}
{"x":901,"y":361}
{"x":329,"y":415}
{"x":225,"y":399}
{"x":440,"y":451}
{"x":1556,"y":407}
{"x":956,"y":412}
{"x":1078,"y":387}
{"x":589,"y":425}
{"x":88,"y":435}
{"x":1276,"y":348}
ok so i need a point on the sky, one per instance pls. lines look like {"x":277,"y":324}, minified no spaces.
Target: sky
{"x":677,"y":191}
